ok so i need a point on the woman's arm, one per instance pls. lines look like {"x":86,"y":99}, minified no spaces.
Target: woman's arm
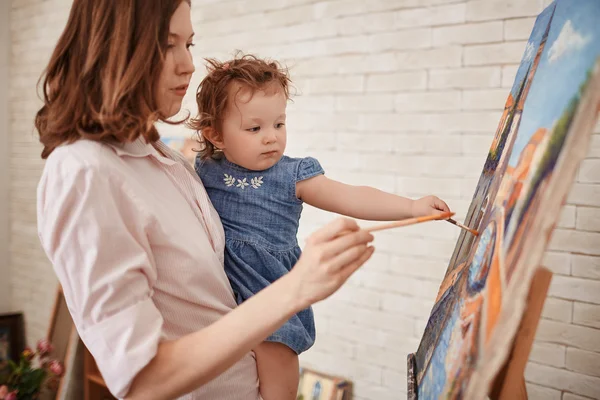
{"x":94,"y":236}
{"x":191,"y":361}
{"x":364,"y":202}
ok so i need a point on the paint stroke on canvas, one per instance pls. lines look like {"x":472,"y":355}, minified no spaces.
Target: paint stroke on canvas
{"x":542,"y":136}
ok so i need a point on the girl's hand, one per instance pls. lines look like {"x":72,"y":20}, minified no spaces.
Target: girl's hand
{"x":429,"y":205}
{"x":330,"y":256}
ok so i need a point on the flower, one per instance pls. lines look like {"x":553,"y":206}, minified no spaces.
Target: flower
{"x":56,"y":368}
{"x":3,"y":391}
{"x":44,"y":347}
{"x":11,"y":396}
{"x":28,"y":354}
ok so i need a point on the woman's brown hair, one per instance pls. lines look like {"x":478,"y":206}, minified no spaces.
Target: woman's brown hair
{"x":100,"y":81}
{"x":212,"y":95}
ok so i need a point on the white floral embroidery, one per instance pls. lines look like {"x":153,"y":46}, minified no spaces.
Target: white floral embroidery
{"x":242,"y":183}
{"x":229,"y":180}
{"x":256,"y":182}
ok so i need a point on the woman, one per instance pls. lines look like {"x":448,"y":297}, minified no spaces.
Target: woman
{"x":132,"y":236}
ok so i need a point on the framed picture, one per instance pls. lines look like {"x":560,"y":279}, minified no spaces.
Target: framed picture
{"x":12,"y":337}
{"x":185,"y":145}
{"x":318,"y":386}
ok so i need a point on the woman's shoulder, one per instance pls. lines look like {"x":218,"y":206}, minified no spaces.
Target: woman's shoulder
{"x":83,"y":161}
{"x":82,"y":155}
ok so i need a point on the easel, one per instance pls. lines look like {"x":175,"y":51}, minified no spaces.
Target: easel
{"x":510,"y":381}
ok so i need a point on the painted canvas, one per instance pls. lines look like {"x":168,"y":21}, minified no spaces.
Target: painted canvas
{"x":542,"y":137}
{"x":185,"y":145}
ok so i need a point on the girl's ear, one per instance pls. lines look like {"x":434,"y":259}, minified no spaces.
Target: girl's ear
{"x":213,"y":136}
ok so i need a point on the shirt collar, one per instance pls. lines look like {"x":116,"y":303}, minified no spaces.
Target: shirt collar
{"x":137,"y":148}
{"x":140,"y":148}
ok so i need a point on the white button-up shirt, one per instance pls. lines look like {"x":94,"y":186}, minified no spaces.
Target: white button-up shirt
{"x":138,"y":250}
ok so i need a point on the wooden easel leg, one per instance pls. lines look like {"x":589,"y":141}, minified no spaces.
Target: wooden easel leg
{"x":510,"y":382}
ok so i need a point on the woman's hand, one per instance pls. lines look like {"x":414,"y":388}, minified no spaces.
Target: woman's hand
{"x":330,"y":256}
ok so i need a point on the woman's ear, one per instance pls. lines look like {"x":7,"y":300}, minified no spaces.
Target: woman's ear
{"x":213,"y":136}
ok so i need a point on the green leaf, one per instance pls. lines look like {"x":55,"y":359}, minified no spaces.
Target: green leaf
{"x":12,"y":365}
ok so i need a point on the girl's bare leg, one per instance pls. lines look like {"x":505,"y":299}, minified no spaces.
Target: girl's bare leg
{"x":278,"y":371}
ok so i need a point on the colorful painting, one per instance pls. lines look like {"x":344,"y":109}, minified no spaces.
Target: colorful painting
{"x":12,"y":340}
{"x":314,"y":385}
{"x":542,"y":137}
{"x":185,"y":145}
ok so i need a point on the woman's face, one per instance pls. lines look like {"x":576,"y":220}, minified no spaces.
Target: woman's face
{"x":179,"y":66}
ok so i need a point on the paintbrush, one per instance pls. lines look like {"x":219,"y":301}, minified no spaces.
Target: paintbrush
{"x":466,"y":228}
{"x":410,"y":221}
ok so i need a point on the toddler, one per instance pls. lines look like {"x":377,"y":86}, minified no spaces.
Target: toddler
{"x":258,"y":193}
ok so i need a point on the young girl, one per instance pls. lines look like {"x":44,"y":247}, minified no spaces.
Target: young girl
{"x":258,"y":193}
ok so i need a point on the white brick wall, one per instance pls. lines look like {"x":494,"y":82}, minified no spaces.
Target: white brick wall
{"x":5,"y":305}
{"x":403,"y":95}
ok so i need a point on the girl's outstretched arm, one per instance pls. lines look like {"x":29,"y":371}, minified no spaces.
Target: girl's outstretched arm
{"x":364,"y":202}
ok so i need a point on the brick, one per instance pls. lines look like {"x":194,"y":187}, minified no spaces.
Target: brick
{"x":518,"y":29}
{"x":482,"y":10}
{"x":584,"y":195}
{"x":571,"y":335}
{"x":337,"y":8}
{"x":441,"y":186}
{"x":442,"y":15}
{"x":429,"y":101}
{"x":366,"y":23}
{"x":392,"y":378}
{"x":362,"y":297}
{"x":476,"y":145}
{"x":594,"y":150}
{"x":406,"y":305}
{"x":588,"y":219}
{"x":558,"y":310}
{"x":576,"y":241}
{"x":491,"y":54}
{"x":335,"y":345}
{"x":340,"y":84}
{"x":589,"y":171}
{"x":312,"y":103}
{"x":395,"y":82}
{"x":443,"y":57}
{"x":486,"y":32}
{"x":365,"y":103}
{"x":385,"y":321}
{"x":400,"y":284}
{"x":434,"y":269}
{"x":583,"y":361}
{"x":586,"y":267}
{"x":548,"y":354}
{"x":484,"y":99}
{"x":465,"y":78}
{"x":369,"y":142}
{"x":567,"y":217}
{"x":559,"y":263}
{"x":376,"y":355}
{"x":345,"y":64}
{"x":537,"y":392}
{"x":563,"y":380}
{"x":587,"y":315}
{"x":400,"y":40}
{"x":366,"y":391}
{"x":571,"y":396}
{"x":573,"y":288}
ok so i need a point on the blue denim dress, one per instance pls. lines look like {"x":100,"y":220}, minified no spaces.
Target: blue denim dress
{"x":260,"y":214}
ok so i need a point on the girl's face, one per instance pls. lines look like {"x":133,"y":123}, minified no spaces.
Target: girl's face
{"x":178,"y":67}
{"x":254,"y":134}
